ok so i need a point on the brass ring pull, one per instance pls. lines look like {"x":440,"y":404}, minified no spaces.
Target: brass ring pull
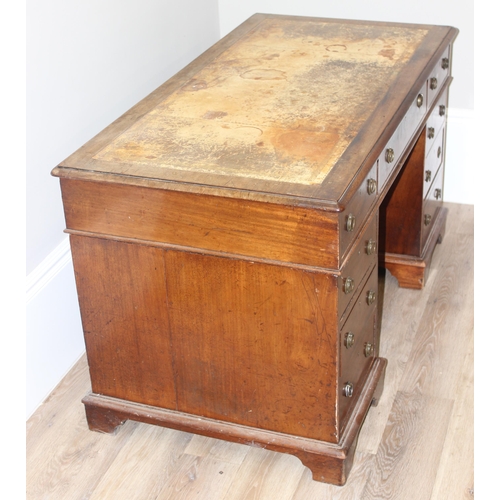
{"x":371,"y":247}
{"x":371,"y":186}
{"x":348,"y":390}
{"x":348,"y":285}
{"x":350,"y":223}
{"x":389,"y":155}
{"x":434,"y":83}
{"x":349,"y":340}
{"x":368,"y":351}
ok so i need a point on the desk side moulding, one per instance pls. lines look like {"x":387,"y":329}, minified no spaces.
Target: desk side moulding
{"x":227,"y":232}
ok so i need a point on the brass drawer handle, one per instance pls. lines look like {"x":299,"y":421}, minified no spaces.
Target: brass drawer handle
{"x":348,"y":285}
{"x":350,"y":223}
{"x":371,"y":186}
{"x":348,"y":390}
{"x":371,"y":247}
{"x":420,"y":100}
{"x":428,"y":175}
{"x":430,"y":132}
{"x":349,"y":340}
{"x":434,"y":83}
{"x":389,"y":155}
{"x":370,"y":297}
{"x":442,"y":110}
{"x":427,"y":219}
{"x":445,"y":63}
{"x":439,"y":152}
{"x":368,"y":350}
{"x":437,"y":193}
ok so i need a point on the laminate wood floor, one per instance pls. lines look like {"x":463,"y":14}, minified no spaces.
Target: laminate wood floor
{"x":417,"y":444}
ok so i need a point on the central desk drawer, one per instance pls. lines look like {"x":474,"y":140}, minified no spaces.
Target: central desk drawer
{"x":396,"y":145}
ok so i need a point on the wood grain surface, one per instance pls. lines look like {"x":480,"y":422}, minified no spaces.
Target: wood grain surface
{"x":416,"y":444}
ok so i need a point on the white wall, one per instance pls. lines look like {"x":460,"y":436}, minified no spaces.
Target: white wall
{"x":87,"y":63}
{"x":459,"y":14}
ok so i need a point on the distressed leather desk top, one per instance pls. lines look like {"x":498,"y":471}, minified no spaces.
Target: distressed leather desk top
{"x":280,"y":107}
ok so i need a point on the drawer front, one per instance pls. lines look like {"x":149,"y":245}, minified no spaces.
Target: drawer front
{"x":357,"y":348}
{"x":353,"y":217}
{"x":433,"y":161}
{"x":436,"y":121}
{"x":360,"y":262}
{"x":397,"y":143}
{"x":438,"y":76}
{"x":432,"y":204}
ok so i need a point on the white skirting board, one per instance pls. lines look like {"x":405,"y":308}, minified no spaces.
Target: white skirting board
{"x":54,"y":338}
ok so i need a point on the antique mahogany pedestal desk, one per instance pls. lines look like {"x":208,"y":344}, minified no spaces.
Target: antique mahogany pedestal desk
{"x":226,"y":232}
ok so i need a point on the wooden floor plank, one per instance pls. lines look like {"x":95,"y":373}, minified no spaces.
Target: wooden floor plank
{"x":455,"y":477}
{"x":200,"y":478}
{"x":215,"y":448}
{"x":146,"y":462}
{"x":265,"y":474}
{"x":410,"y":449}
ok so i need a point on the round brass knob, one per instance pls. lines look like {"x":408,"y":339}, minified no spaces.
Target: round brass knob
{"x":370,"y":297}
{"x":371,"y":247}
{"x":442,"y":110}
{"x":350,"y":223}
{"x":434,"y":83}
{"x":368,"y":349}
{"x":430,"y":132}
{"x":348,"y":390}
{"x":427,"y":219}
{"x":439,"y":152}
{"x":389,"y":155}
{"x":420,"y":100}
{"x":349,"y":340}
{"x":371,"y":186}
{"x":437,"y":193}
{"x":445,"y":63}
{"x":348,"y":285}
{"x":428,"y":175}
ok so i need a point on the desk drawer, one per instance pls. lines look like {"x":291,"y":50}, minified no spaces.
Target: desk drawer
{"x":361,"y":260}
{"x":433,"y":161}
{"x":436,"y":122}
{"x":356,"y":211}
{"x":357,"y":349}
{"x":401,"y":137}
{"x":438,"y":76}
{"x":432,"y":203}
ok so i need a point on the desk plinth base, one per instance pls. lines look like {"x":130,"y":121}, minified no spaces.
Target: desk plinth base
{"x":329,"y":463}
{"x":411,"y":271}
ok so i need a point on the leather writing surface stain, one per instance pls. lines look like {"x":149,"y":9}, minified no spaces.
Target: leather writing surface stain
{"x":282,"y":104}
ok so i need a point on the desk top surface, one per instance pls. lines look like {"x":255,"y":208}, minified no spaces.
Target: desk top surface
{"x":283,"y":107}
